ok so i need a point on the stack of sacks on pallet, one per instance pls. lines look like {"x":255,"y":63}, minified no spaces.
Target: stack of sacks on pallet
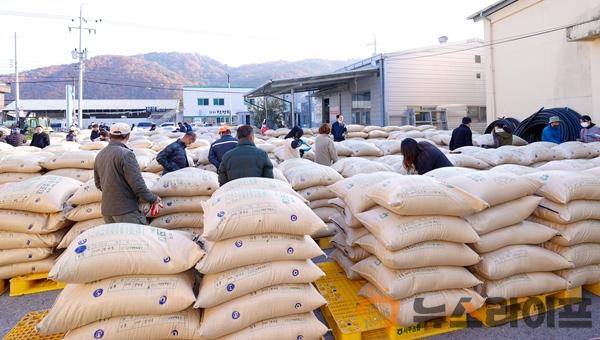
{"x":310,"y":180}
{"x":351,"y":200}
{"x":84,"y":208}
{"x":32,"y":223}
{"x":512,"y":262}
{"x":257,"y":265}
{"x":125,"y":281}
{"x":78,"y":165}
{"x":183,"y":192}
{"x":19,"y":164}
{"x":356,"y":131}
{"x":571,"y":206}
{"x":418,"y":245}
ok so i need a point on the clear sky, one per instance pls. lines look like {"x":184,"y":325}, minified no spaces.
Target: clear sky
{"x":234,"y":32}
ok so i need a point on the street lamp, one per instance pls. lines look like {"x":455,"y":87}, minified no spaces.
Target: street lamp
{"x":229,"y":100}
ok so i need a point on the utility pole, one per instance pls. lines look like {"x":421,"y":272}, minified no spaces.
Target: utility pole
{"x":17,"y":99}
{"x":229,"y":91}
{"x":374,"y":44}
{"x":81,"y":54}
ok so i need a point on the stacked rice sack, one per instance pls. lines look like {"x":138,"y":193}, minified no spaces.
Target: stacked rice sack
{"x":125,"y":281}
{"x":417,"y":243}
{"x":32,"y":223}
{"x":310,"y":180}
{"x":78,"y":165}
{"x":571,"y":206}
{"x":512,"y":262}
{"x":20,"y":163}
{"x":257,"y":269}
{"x":183,"y":192}
{"x":84,"y":208}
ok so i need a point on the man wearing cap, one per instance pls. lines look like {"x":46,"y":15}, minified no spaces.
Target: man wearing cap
{"x":552,"y":133}
{"x":117,"y":174}
{"x":173,"y":157}
{"x":221,"y":146}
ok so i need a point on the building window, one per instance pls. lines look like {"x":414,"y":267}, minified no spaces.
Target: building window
{"x":477,"y":113}
{"x":202,"y":101}
{"x":477,"y":59}
{"x":361,"y":100}
{"x":478,"y":75}
{"x":361,"y":117}
{"x":218,"y":101}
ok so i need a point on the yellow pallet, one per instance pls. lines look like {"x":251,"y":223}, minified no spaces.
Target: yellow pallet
{"x":352,"y":317}
{"x":594,"y":289}
{"x":25,"y":329}
{"x":325,"y":242}
{"x":493,"y":315}
{"x":33,"y":283}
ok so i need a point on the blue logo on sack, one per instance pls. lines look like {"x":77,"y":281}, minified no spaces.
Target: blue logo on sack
{"x":162,"y":300}
{"x":230,"y":287}
{"x":298,"y":305}
{"x":98,"y":334}
{"x":82,"y":241}
{"x":98,"y":292}
{"x":220,"y":214}
{"x":174,"y":332}
{"x":167,"y":259}
{"x":235,"y":315}
{"x":290,"y":250}
{"x":239,"y":243}
{"x":295,"y":272}
{"x":294,"y":218}
{"x":80,"y":249}
{"x":300,"y":337}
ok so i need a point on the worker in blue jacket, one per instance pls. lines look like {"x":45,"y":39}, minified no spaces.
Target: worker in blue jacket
{"x":221,"y":146}
{"x":338,"y":129}
{"x":552,"y":133}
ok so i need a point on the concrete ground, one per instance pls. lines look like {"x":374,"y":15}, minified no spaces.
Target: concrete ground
{"x":12,"y":309}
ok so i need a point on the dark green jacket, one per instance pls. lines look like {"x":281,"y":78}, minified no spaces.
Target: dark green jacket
{"x":245,"y":160}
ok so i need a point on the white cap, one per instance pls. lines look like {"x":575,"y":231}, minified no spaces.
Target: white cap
{"x":120,"y":129}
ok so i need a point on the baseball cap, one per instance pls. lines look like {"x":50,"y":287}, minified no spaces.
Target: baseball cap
{"x":554,"y":119}
{"x":224,"y":128}
{"x":120,"y":129}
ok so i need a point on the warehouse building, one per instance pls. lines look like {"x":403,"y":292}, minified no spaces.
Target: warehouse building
{"x":215,"y":105}
{"x":541,"y":53}
{"x":433,"y":85}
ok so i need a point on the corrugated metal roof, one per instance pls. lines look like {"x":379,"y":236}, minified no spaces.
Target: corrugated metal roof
{"x":94,"y":104}
{"x":491,"y":9}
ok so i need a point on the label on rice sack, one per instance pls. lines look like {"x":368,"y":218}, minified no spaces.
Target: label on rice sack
{"x":354,"y":190}
{"x":303,"y":177}
{"x":575,"y":150}
{"x":351,"y":235}
{"x":12,"y":256}
{"x":72,"y":159}
{"x":81,"y":175}
{"x":13,"y":240}
{"x":221,"y":287}
{"x":579,"y":255}
{"x":255,"y":211}
{"x":81,"y":304}
{"x":182,"y":325}
{"x":520,"y":285}
{"x":419,"y":195}
{"x":31,"y":222}
{"x":404,"y":313}
{"x":172,"y":205}
{"x":354,"y":253}
{"x":345,"y":263}
{"x":425,"y":254}
{"x":565,"y":186}
{"x":255,"y":183}
{"x":399,"y":284}
{"x":396,"y":232}
{"x":518,"y":259}
{"x":253,"y":249}
{"x":298,"y":326}
{"x":528,"y":233}
{"x":179,"y":220}
{"x":496,"y":187}
{"x":44,"y":194}
{"x":578,"y":277}
{"x":503,"y":215}
{"x":85,"y":212}
{"x":587,"y":231}
{"x":77,"y":229}
{"x":186,"y":182}
{"x":124,"y":249}
{"x":574,"y":211}
{"x":24,"y":268}
{"x":275,"y":301}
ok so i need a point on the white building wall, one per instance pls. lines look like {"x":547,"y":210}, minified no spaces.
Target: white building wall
{"x":193,"y":111}
{"x":546,"y":70}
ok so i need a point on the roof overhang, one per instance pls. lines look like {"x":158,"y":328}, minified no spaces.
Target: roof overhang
{"x":491,"y":9}
{"x":314,"y":83}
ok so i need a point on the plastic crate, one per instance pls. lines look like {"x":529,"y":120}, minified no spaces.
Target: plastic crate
{"x":25,"y":328}
{"x":32,"y":284}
